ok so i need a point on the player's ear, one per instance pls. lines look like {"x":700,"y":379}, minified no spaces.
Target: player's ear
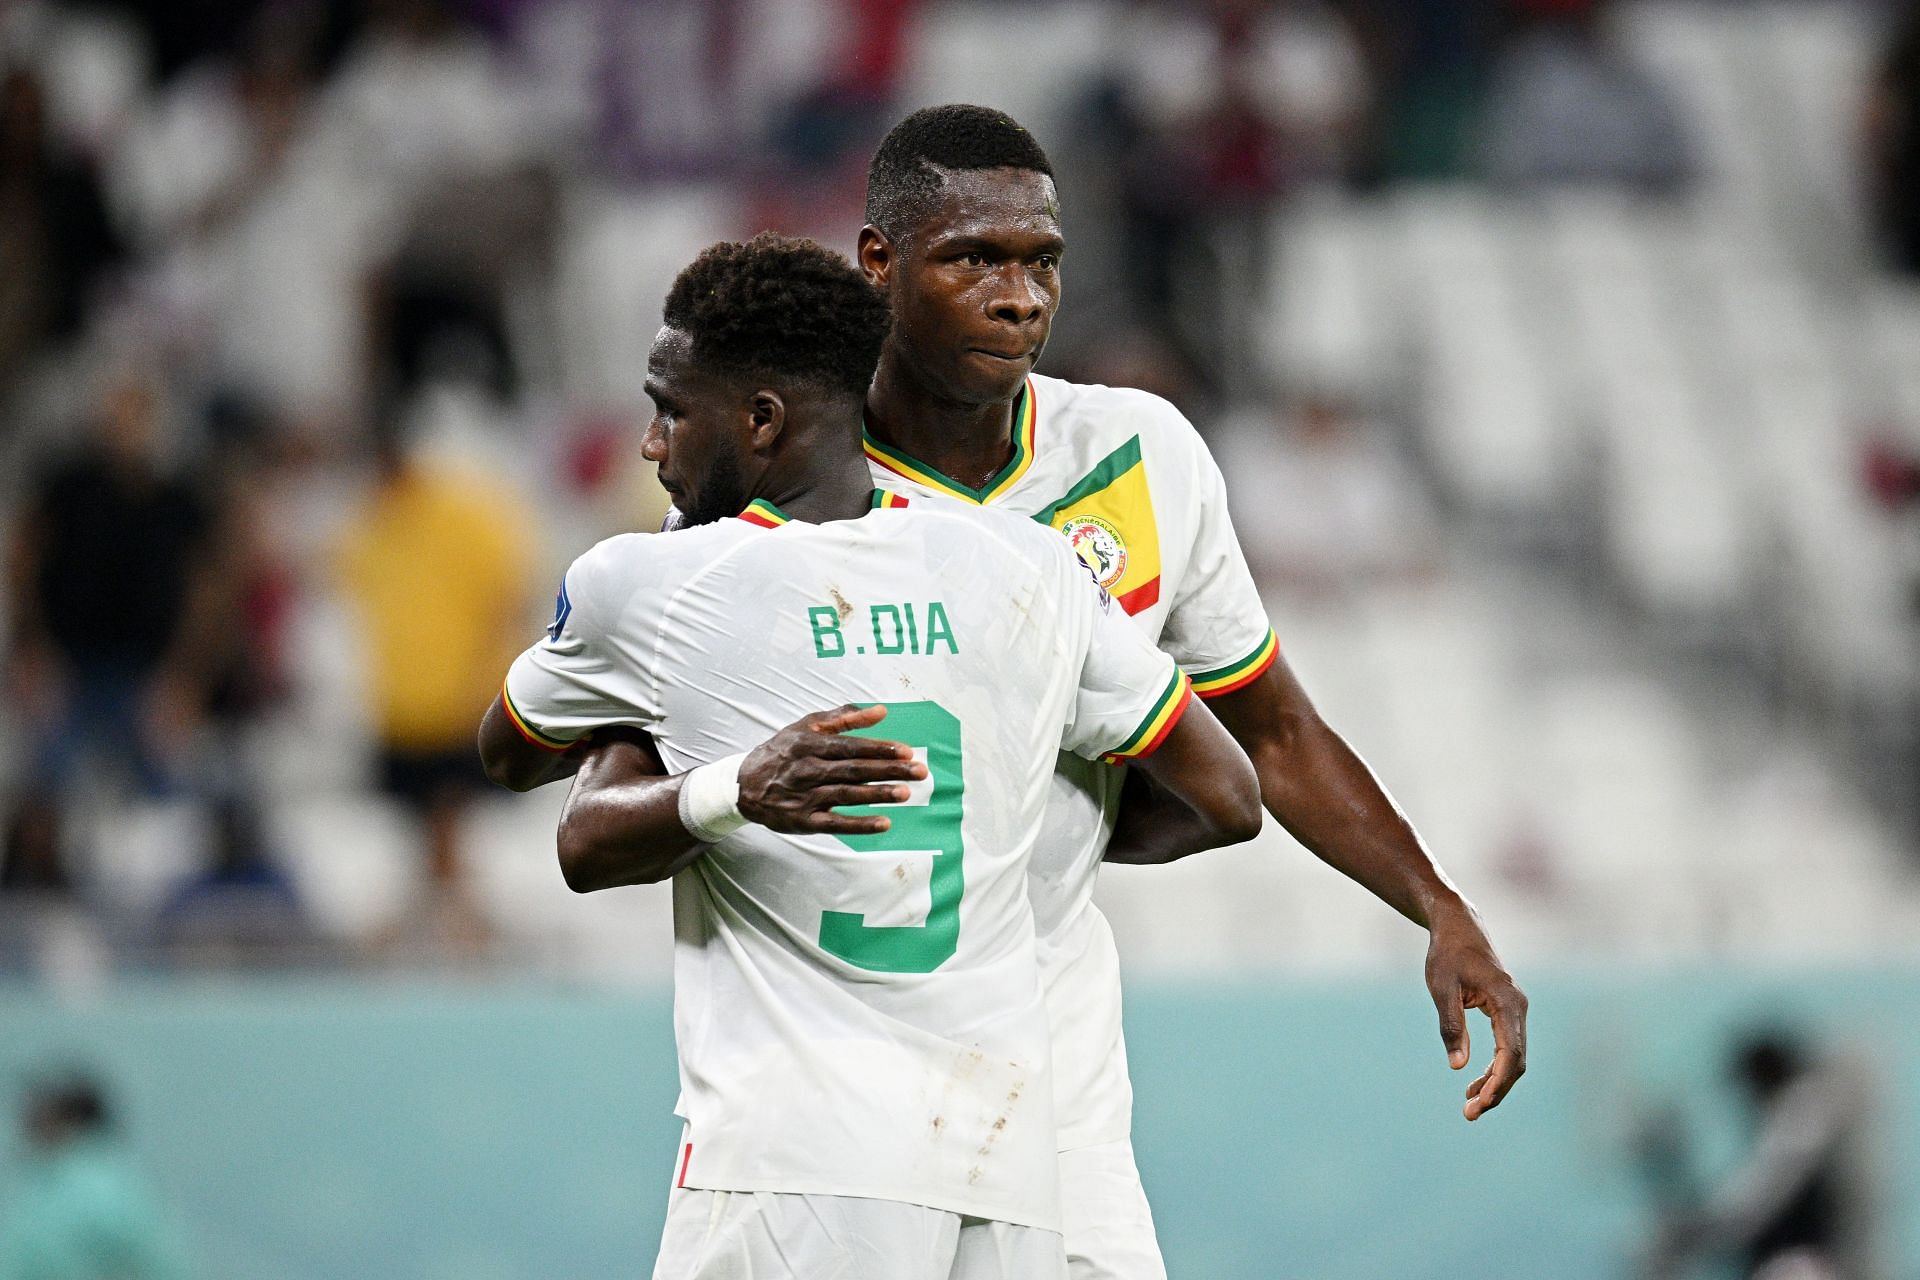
{"x":875,"y":256}
{"x":766,"y":419}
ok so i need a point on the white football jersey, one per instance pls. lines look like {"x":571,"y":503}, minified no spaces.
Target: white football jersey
{"x":1131,"y":485}
{"x":861,"y":1016}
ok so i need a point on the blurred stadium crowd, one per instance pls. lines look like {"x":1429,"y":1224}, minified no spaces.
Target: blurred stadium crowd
{"x":1564,"y":357}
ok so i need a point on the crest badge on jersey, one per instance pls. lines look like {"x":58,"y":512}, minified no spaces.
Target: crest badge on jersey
{"x":1100,"y":545}
{"x":1108,"y":519}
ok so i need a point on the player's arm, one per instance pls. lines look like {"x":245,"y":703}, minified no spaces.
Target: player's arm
{"x":1133,"y":705}
{"x":626,"y":819}
{"x":1196,"y":792}
{"x":578,"y":684}
{"x":515,"y":760}
{"x":1324,"y":794}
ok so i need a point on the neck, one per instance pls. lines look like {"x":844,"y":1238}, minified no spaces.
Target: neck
{"x":966,"y":442}
{"x":835,"y":485}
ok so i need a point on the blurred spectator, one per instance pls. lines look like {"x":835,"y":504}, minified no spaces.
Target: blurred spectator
{"x":1214,"y":113}
{"x":119,"y":592}
{"x":56,"y":240}
{"x":1890,"y":477}
{"x":1322,"y":500}
{"x":421,"y":99}
{"x":181,"y":33}
{"x":32,"y":862}
{"x":247,"y":672}
{"x":1799,"y":1207}
{"x":36,"y":889}
{"x":823,"y":133}
{"x":473,"y":248}
{"x":842,"y":114}
{"x":1890,"y":473}
{"x":261,"y":226}
{"x":1892,"y":128}
{"x":242,"y":909}
{"x":1429,"y":62}
{"x":438,"y":566}
{"x":80,"y":1210}
{"x":45,"y":925}
{"x":665,"y":78}
{"x":1567,"y":105}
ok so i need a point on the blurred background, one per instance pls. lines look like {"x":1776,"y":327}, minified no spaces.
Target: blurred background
{"x":1564,"y":360}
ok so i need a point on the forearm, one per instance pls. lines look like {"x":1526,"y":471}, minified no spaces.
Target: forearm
{"x":1198,"y":791}
{"x":626,"y":823}
{"x":515,"y":763}
{"x":622,"y":822}
{"x":1320,"y":790}
{"x":1156,"y":827}
{"x":1323,"y":793}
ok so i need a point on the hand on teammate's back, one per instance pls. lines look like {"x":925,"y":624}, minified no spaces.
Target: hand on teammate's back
{"x":794,"y":780}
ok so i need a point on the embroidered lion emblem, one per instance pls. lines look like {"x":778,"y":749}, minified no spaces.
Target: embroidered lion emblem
{"x":1099,"y":544}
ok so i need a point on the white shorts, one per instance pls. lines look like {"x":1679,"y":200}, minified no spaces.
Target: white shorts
{"x":767,"y":1235}
{"x":1109,"y":1228}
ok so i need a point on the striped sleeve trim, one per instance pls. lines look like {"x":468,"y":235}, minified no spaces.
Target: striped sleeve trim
{"x":1167,"y":710}
{"x":541,"y":740}
{"x":1237,"y":675}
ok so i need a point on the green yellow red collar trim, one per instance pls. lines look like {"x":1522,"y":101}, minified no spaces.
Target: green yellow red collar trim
{"x":767,"y":516}
{"x":1024,"y":417}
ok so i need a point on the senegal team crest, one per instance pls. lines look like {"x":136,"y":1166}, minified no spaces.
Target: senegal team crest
{"x":1099,"y":544}
{"x":1111,"y":497}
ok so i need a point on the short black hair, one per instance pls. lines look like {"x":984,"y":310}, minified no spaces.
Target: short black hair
{"x":780,"y":307}
{"x":905,"y":175}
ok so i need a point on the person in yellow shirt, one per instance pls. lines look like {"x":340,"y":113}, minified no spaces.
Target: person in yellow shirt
{"x":438,"y":567}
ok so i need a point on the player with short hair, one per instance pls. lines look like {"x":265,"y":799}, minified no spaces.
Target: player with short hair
{"x":865,"y":1056}
{"x":964,"y":237}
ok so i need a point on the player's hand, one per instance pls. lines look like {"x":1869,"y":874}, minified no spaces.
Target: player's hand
{"x":795,"y":780}
{"x":1464,"y":972}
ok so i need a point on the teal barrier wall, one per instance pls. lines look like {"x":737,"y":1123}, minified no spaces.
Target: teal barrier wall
{"x":1302,"y":1130}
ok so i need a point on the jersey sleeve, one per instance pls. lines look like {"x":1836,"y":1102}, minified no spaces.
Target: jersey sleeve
{"x":1128,"y":694}
{"x":1217,"y":628}
{"x":586,"y":672}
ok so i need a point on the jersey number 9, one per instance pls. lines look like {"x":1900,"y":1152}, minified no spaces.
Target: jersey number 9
{"x":934,"y":826}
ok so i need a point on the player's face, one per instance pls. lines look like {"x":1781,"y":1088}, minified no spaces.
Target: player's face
{"x":698,"y":433}
{"x":975,"y":285}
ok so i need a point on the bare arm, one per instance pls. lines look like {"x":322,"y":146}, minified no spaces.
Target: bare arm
{"x":622,"y":821}
{"x":1198,"y":791}
{"x":1324,"y":794}
{"x":514,"y":761}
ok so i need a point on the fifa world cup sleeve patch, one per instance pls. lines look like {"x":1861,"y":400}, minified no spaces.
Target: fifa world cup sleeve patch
{"x":1238,"y":675}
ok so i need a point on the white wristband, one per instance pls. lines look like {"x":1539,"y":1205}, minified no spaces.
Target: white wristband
{"x":710,"y":800}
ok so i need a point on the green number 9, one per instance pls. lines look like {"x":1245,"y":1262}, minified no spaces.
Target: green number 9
{"x":934,"y":826}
